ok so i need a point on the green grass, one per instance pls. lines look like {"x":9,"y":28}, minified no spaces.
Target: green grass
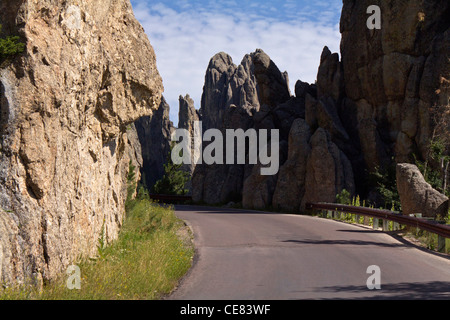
{"x":145,"y":263}
{"x":426,"y":239}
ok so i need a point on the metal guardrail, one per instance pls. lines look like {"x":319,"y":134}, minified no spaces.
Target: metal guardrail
{"x":436,"y":227}
{"x":170,"y":198}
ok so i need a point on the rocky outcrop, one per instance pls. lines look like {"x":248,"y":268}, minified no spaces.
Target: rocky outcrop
{"x":366,"y":111}
{"x":154,"y":134}
{"x":255,"y":82}
{"x":187,"y":114}
{"x":220,"y":183}
{"x":328,"y":171}
{"x":188,"y":118}
{"x":375,"y":103}
{"x":272,"y":107}
{"x":232,"y":98}
{"x":417,"y":196}
{"x":291,"y":185}
{"x":67,"y":110}
{"x":393,"y":75}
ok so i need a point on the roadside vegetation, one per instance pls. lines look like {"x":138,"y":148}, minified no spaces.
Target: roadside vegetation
{"x":153,"y":251}
{"x":435,"y":168}
{"x":421,"y":237}
{"x":436,"y":165}
{"x":174,"y":180}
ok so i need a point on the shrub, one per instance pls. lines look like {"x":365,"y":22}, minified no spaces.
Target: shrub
{"x":436,"y":165}
{"x":174,"y":180}
{"x":10,"y":46}
{"x":344,"y":198}
{"x":385,"y":181}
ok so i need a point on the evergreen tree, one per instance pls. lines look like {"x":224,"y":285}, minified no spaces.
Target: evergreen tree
{"x":174,"y":180}
{"x":10,"y":46}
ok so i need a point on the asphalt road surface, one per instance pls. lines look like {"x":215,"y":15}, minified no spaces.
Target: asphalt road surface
{"x":247,"y":255}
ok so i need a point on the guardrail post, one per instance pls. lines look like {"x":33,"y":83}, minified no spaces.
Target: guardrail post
{"x":395,"y":226}
{"x":376,"y":223}
{"x":441,"y":244}
{"x":416,"y":215}
{"x":366,"y":221}
{"x":385,"y":225}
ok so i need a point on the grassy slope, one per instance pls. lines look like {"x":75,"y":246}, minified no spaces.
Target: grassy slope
{"x":146,"y":262}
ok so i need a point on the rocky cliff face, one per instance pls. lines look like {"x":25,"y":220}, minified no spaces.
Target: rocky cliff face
{"x":154,"y":134}
{"x":393,"y":75}
{"x":367,"y":110}
{"x":67,"y":108}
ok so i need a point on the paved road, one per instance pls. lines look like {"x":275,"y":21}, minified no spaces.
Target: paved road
{"x":244,"y":255}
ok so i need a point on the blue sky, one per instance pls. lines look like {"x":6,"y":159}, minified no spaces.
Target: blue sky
{"x":187,"y":33}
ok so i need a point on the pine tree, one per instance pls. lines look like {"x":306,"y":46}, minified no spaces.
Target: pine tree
{"x":437,"y":160}
{"x":174,"y":180}
{"x":10,"y":46}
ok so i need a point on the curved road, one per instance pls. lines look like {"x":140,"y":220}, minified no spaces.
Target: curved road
{"x":247,"y":255}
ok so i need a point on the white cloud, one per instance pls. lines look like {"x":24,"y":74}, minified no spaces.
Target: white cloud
{"x":185,"y":40}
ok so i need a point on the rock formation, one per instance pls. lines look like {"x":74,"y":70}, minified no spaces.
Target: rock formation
{"x":310,"y":133}
{"x":68,"y":104}
{"x":188,"y":116}
{"x":367,"y":110}
{"x":393,"y":74}
{"x":291,"y":185}
{"x":417,"y":196}
{"x":238,"y":97}
{"x":154,"y":134}
{"x":67,"y":108}
{"x":254,"y":95}
{"x":328,"y":170}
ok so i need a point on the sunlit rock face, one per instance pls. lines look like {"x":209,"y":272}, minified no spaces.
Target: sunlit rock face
{"x":67,"y":137}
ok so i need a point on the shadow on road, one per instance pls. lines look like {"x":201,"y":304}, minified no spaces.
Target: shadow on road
{"x":435,"y":290}
{"x":362,"y":231}
{"x":407,"y":243}
{"x":347,"y":242}
{"x":219,"y":210}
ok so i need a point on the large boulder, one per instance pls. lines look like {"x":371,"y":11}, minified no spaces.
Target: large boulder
{"x":418,"y":196}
